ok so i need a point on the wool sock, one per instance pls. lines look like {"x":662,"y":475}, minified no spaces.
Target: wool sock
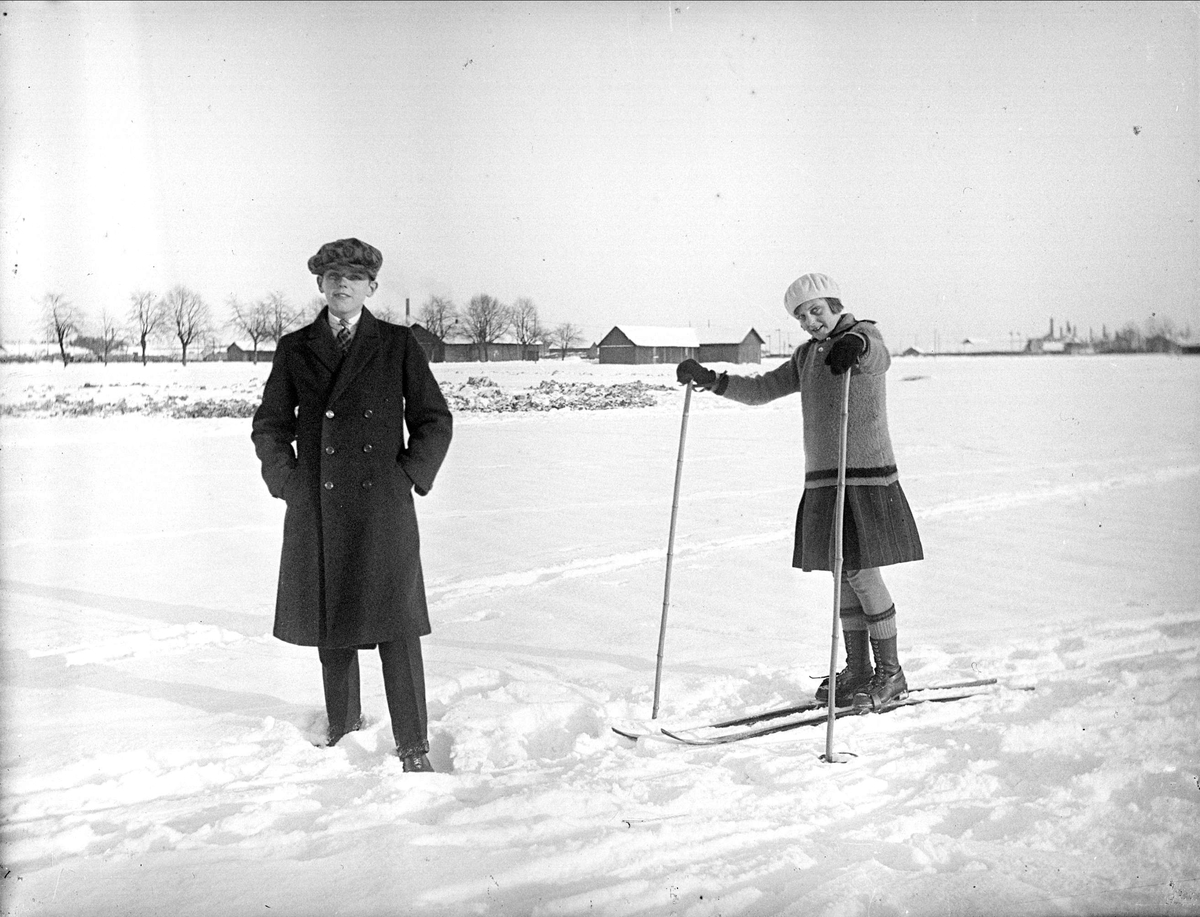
{"x":883,"y":626}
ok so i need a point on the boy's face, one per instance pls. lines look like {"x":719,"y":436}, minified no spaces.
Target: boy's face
{"x":345,"y":289}
{"x":817,"y":318}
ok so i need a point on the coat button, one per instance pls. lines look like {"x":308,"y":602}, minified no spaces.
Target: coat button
{"x":368,"y":447}
{"x":329,"y":450}
{"x":366,"y":485}
{"x":368,"y":413}
{"x":329,"y":485}
{"x":329,"y":414}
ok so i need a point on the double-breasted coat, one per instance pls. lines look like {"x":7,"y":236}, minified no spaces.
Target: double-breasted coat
{"x":345,"y":442}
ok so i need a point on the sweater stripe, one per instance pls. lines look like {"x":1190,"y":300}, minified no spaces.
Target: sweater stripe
{"x":879,"y":476}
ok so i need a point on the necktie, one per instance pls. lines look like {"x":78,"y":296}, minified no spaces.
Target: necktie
{"x":343,"y":336}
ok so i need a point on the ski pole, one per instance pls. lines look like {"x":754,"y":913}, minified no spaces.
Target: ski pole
{"x":838,"y":524}
{"x":662,"y":629}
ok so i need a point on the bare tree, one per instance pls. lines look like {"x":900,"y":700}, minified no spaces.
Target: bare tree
{"x":565,"y":336}
{"x":439,"y":316}
{"x":282,"y":316}
{"x":188,"y":315}
{"x":252,"y":320}
{"x":62,"y":320}
{"x":146,"y":319}
{"x":103,"y":343}
{"x":210,"y":344}
{"x":106,"y":342}
{"x":1161,"y":326}
{"x":315,"y":305}
{"x":386,"y":314}
{"x":110,"y":336}
{"x":1128,"y":339}
{"x":526,"y":326}
{"x":486,"y":320}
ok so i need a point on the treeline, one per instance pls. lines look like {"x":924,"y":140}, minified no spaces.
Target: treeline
{"x":1158,"y":334}
{"x":182,"y":317}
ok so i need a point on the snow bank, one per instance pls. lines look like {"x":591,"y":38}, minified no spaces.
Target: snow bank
{"x":234,"y":390}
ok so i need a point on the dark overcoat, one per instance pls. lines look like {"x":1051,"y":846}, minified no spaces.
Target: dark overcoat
{"x":331,"y":436}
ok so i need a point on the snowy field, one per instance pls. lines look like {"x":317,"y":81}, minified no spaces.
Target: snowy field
{"x":158,"y":756}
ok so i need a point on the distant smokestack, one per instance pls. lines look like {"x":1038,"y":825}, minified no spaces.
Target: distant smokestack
{"x":407,"y":312}
{"x":1051,"y":328}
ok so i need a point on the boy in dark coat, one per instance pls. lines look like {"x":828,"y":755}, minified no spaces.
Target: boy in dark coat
{"x":330,"y":434}
{"x":879,"y":528}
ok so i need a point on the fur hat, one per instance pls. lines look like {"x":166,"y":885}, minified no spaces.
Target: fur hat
{"x":346,"y":253}
{"x":810,"y":286}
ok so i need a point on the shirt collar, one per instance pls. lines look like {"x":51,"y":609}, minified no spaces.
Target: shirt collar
{"x":335,"y":323}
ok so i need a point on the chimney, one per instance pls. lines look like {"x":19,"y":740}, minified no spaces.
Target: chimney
{"x":1052,"y":328}
{"x":407,"y":313}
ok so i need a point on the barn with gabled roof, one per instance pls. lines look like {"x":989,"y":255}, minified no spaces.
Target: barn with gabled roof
{"x":643,"y":344}
{"x":730,"y":345}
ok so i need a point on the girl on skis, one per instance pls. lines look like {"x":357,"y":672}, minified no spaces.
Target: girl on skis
{"x":879,"y":528}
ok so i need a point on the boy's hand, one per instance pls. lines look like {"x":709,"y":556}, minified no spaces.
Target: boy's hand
{"x":691,"y":371}
{"x":845,"y":353}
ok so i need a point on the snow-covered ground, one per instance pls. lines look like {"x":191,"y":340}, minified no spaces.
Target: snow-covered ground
{"x":158,"y":756}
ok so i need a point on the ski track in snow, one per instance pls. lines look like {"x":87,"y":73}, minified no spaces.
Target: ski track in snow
{"x":159,"y":640}
{"x":152,"y":642}
{"x":1061,"y":492}
{"x":155,"y":537}
{"x":587,"y":567}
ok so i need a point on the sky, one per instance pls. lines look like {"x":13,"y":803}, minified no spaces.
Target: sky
{"x":961,"y":169}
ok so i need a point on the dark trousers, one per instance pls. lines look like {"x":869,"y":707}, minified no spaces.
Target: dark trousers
{"x":403,"y":682}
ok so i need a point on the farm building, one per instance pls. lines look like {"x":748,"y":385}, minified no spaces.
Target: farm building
{"x":459,"y":350}
{"x":243,"y":352}
{"x":741,"y":345}
{"x":432,"y":345}
{"x":640,"y":344}
{"x":504,"y":350}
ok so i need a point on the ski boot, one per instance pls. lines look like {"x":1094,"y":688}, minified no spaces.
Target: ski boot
{"x":857,"y":673}
{"x":887,"y":685}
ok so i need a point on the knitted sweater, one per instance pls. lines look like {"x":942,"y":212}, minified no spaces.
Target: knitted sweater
{"x":869,"y":457}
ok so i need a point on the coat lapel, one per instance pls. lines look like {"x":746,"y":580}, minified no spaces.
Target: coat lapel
{"x":321,"y":343}
{"x":362,"y":351}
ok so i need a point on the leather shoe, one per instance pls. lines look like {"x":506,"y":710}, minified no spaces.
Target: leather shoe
{"x":416,"y":764}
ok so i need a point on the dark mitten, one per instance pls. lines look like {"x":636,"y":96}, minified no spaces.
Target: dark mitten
{"x":691,"y":371}
{"x":845,"y":353}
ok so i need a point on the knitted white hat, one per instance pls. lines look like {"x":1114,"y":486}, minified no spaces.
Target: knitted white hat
{"x":810,"y":286}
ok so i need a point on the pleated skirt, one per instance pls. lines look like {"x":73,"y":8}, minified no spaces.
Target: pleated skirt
{"x":878,"y":528}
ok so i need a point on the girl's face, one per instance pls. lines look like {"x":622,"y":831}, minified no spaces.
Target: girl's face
{"x":816,"y":318}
